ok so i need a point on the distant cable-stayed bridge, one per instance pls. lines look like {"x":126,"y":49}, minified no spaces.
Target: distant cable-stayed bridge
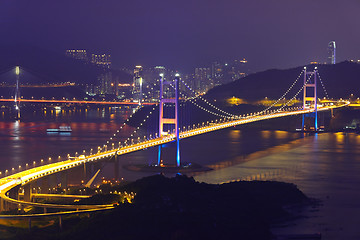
{"x":62,"y":101}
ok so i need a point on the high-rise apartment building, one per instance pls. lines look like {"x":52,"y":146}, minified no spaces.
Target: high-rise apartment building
{"x":228,"y":72}
{"x":216,"y":73}
{"x":80,"y":54}
{"x":202,"y":79}
{"x":239,"y":68}
{"x":107,"y":85}
{"x":103,"y":60}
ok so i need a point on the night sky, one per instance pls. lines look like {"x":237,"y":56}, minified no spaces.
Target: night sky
{"x":188,"y":33}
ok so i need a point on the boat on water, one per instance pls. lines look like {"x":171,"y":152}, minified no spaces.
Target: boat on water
{"x":61,"y":129}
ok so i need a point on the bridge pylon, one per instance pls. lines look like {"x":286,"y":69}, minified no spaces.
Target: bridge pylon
{"x":174,"y":121}
{"x":17,"y":93}
{"x":310,"y":101}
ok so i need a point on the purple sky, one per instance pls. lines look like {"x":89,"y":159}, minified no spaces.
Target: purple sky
{"x":188,"y":33}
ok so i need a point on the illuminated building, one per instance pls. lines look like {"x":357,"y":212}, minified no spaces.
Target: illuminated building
{"x":235,"y":101}
{"x":151,"y":88}
{"x":202,"y":79}
{"x":106,"y":84}
{"x":159,"y":69}
{"x":103,"y":60}
{"x":111,"y":83}
{"x":138,"y":84}
{"x":239,"y":69}
{"x":216,"y":73}
{"x":80,"y":54}
{"x":332,"y":52}
{"x":228,"y":72}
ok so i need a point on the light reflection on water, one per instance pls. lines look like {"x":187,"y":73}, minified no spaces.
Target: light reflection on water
{"x":26,"y":141}
{"x":324,"y":166}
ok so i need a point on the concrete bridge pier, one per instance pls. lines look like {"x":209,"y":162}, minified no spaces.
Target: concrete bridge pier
{"x":86,"y":166}
{"x":52,"y":180}
{"x":60,"y":222}
{"x":116,"y":167}
{"x":28,"y":192}
{"x":44,"y":185}
{"x":2,"y":205}
{"x":64,"y":179}
{"x":14,"y":194}
{"x":21,"y":208}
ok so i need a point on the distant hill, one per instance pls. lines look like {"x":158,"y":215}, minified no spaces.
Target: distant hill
{"x":340,"y":80}
{"x":52,"y":67}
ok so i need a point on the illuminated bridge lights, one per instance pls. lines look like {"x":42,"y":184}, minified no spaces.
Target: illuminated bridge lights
{"x":76,"y":101}
{"x":26,"y":176}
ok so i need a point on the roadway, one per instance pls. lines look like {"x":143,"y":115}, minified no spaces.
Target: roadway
{"x":26,"y":176}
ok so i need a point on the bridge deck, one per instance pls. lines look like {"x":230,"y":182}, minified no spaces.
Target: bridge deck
{"x":75,"y":101}
{"x":29,"y":175}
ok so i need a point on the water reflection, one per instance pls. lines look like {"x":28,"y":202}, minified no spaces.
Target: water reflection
{"x":281,"y":134}
{"x":340,"y":137}
{"x":235,"y":134}
{"x":16,"y":128}
{"x":324,"y":166}
{"x":266,"y":134}
{"x":27,"y":140}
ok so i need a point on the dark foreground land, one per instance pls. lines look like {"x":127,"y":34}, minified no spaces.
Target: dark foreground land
{"x":180,"y":208}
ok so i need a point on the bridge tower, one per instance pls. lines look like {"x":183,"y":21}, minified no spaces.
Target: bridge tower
{"x":17,"y":93}
{"x":310,"y":101}
{"x":175,"y":120}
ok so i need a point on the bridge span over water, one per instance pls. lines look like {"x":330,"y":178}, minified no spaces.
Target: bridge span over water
{"x":22,"y":178}
{"x":10,"y":185}
{"x":57,"y":101}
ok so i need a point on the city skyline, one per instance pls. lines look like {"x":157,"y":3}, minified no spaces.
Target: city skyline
{"x":187,"y":119}
{"x":182,"y":36}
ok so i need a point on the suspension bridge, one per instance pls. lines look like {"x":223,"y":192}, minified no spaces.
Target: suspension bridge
{"x":12,"y":184}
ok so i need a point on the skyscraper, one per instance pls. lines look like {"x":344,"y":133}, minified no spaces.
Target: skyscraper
{"x":216,"y":73}
{"x":103,"y":60}
{"x":332,"y":52}
{"x":138,"y":84}
{"x":80,"y":54}
{"x":203,"y":79}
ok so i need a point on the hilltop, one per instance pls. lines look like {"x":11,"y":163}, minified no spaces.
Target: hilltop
{"x":180,"y":208}
{"x":340,"y":81}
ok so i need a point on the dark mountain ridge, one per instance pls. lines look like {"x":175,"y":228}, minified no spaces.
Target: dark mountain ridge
{"x":340,"y":81}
